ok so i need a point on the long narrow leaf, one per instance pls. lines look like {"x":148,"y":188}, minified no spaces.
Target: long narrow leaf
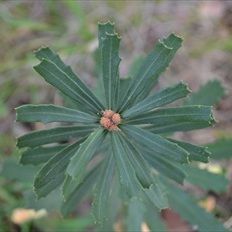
{"x":52,"y":113}
{"x":39,"y":155}
{"x":123,"y":87}
{"x":155,"y":63}
{"x":69,"y":186}
{"x":221,"y":149}
{"x":157,"y":195}
{"x":196,"y":153}
{"x":103,"y":29}
{"x":103,"y":191}
{"x":55,"y":135}
{"x":173,"y":116}
{"x":161,"y":98}
{"x":127,"y":177}
{"x":74,"y":194}
{"x":52,"y":173}
{"x":180,"y":126}
{"x":136,"y":211}
{"x":110,"y":64}
{"x":153,"y":219}
{"x":178,"y":119}
{"x":151,"y":186}
{"x":139,"y":164}
{"x":208,"y":94}
{"x":156,"y":143}
{"x":164,"y":166}
{"x":79,"y":161}
{"x":205,"y":179}
{"x":56,"y":73}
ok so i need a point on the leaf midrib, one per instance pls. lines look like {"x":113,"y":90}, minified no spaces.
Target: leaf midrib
{"x":162,"y":147}
{"x":89,"y":95}
{"x":58,"y":134}
{"x":67,"y":86}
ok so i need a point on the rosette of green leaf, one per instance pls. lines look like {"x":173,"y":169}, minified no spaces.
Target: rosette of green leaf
{"x":134,"y":156}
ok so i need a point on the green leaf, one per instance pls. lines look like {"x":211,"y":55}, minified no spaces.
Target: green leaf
{"x":69,"y":186}
{"x":12,"y":170}
{"x":157,"y":195}
{"x":110,"y":64}
{"x":189,"y":210}
{"x":52,"y":174}
{"x":135,"y":66}
{"x":196,"y":153}
{"x":52,"y":113}
{"x":136,"y":211}
{"x":221,"y":149}
{"x":208,"y":94}
{"x":151,"y":186}
{"x":154,"y":64}
{"x":74,"y":224}
{"x":139,"y":164}
{"x":50,"y":203}
{"x":39,"y":155}
{"x":177,"y":119}
{"x":79,"y":161}
{"x":75,"y":193}
{"x":161,"y":98}
{"x":164,"y":166}
{"x":153,"y":219}
{"x":156,"y":143}
{"x":205,"y":179}
{"x":123,"y":86}
{"x":129,"y":182}
{"x":103,"y":29}
{"x":115,"y":206}
{"x":70,"y":103}
{"x":173,"y":116}
{"x":56,"y":73}
{"x":103,"y":191}
{"x":55,"y":135}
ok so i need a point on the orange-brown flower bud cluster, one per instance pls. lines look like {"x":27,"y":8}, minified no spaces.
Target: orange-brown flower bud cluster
{"x":110,"y":120}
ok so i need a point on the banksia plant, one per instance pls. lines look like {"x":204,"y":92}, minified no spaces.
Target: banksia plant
{"x":117,"y":148}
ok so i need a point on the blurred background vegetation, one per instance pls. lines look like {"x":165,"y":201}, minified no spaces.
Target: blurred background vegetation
{"x":70,"y":28}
